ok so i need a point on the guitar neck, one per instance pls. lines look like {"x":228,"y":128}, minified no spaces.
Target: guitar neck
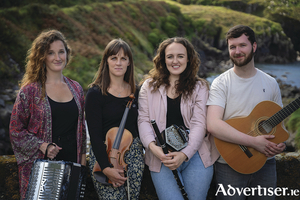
{"x":284,"y":113}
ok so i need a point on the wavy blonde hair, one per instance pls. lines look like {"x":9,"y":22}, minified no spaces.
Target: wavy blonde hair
{"x":35,"y":69}
{"x":188,"y":78}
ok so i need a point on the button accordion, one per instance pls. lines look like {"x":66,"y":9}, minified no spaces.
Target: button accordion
{"x":56,"y":180}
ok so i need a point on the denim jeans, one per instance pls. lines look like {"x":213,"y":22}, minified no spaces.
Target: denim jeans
{"x":231,"y":184}
{"x":194,"y":176}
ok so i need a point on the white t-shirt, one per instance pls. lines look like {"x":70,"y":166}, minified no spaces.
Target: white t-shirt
{"x":238,"y":96}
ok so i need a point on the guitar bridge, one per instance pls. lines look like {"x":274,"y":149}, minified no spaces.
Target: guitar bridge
{"x":246,"y":151}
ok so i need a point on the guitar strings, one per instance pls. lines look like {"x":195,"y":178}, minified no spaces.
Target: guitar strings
{"x":277,"y":117}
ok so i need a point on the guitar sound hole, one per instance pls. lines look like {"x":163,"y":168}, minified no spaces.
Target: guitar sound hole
{"x":264,"y":128}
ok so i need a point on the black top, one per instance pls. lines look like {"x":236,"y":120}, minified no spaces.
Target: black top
{"x":64,"y":128}
{"x":104,"y":112}
{"x":174,"y":115}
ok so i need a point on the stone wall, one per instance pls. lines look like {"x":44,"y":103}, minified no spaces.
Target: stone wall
{"x":288,"y":173}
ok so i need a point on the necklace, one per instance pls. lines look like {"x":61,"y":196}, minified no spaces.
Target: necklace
{"x":119,"y":92}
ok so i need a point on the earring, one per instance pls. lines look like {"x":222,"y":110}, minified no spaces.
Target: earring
{"x":44,"y":65}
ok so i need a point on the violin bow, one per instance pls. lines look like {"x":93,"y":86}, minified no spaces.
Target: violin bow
{"x":125,"y":172}
{"x":165,"y":150}
{"x":127,"y":182}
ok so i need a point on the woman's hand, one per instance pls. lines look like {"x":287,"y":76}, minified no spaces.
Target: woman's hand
{"x":83,"y":159}
{"x":52,"y":149}
{"x":174,"y":160}
{"x":116,"y":176}
{"x":157,"y":151}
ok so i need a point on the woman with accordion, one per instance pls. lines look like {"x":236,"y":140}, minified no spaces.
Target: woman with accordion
{"x":173,"y":94}
{"x":48,"y":113}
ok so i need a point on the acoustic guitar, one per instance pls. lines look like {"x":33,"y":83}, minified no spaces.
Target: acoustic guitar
{"x":265,"y":119}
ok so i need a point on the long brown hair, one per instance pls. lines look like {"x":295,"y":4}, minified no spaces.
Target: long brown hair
{"x":35,"y":69}
{"x":188,"y":78}
{"x":102,"y":78}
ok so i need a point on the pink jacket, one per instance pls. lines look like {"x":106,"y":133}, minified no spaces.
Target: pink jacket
{"x":153,"y":105}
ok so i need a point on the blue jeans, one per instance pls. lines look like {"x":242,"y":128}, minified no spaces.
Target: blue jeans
{"x":231,"y":184}
{"x":194,"y":176}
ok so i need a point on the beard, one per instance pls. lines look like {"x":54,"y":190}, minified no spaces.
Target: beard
{"x":244,"y":62}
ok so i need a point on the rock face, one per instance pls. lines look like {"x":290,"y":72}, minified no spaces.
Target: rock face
{"x":7,"y":99}
{"x":274,"y":49}
{"x":291,"y":26}
{"x":287,"y":177}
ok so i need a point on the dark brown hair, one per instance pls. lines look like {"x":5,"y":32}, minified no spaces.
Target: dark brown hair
{"x":239,"y":30}
{"x":102,"y":78}
{"x":188,"y":78}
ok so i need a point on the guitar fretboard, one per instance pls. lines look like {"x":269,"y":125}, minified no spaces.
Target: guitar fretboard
{"x":283,"y":113}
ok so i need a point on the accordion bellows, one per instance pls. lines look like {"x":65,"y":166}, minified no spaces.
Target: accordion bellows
{"x":56,"y":180}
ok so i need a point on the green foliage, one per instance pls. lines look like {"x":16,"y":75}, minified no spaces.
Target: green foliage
{"x":276,"y":28}
{"x":61,"y":3}
{"x":293,"y":125}
{"x":82,"y":70}
{"x":264,"y":8}
{"x":185,"y":2}
{"x":175,"y":9}
{"x":173,"y":20}
{"x":199,"y":24}
{"x":133,"y":11}
{"x":204,"y":2}
{"x":12,"y":42}
{"x":89,"y":25}
{"x":208,"y":20}
{"x":170,"y":29}
{"x":188,"y":26}
{"x":89,"y":28}
{"x":153,"y":25}
{"x":259,"y":27}
{"x":289,"y":8}
{"x":169,"y":25}
{"x":153,"y":39}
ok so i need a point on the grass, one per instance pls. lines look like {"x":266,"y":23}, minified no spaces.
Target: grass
{"x":293,"y":125}
{"x":143,"y":24}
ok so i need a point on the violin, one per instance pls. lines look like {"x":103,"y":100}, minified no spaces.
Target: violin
{"x":118,"y":142}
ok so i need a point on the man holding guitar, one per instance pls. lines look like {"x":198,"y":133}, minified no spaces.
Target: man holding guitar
{"x":235,"y":93}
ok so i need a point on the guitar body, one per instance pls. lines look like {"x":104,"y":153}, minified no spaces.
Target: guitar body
{"x":233,"y":153}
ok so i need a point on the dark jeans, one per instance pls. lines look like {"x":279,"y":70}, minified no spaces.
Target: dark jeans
{"x":236,"y":186}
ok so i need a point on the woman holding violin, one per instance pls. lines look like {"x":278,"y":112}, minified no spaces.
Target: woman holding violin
{"x":109,"y":101}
